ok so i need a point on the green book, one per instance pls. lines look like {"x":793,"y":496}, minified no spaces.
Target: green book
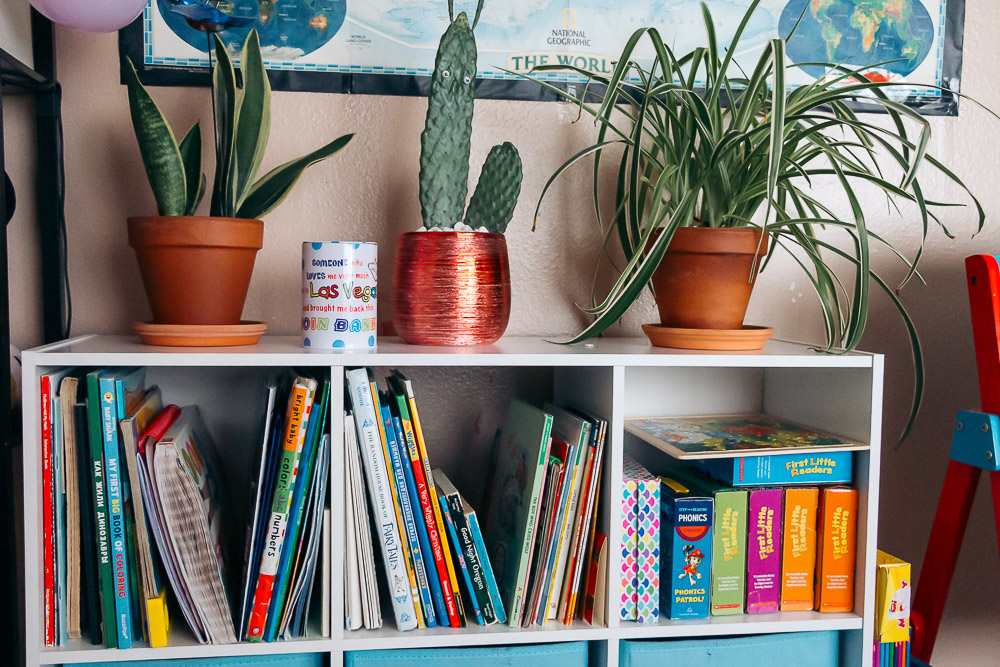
{"x":100,"y":508}
{"x":729,"y":543}
{"x":512,"y":516}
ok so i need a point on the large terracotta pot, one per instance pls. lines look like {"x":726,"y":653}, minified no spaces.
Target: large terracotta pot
{"x":196,"y":270}
{"x":705,"y":278}
{"x":451,"y":288}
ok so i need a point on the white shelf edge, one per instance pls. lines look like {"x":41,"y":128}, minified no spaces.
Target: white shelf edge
{"x":741,"y":625}
{"x":194,"y":650}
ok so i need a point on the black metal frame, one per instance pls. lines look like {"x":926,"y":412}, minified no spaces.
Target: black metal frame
{"x":39,"y":81}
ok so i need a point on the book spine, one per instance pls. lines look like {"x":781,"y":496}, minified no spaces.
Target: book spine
{"x":462,"y":565}
{"x":839,"y":525}
{"x":101,"y":510}
{"x":629,"y":544}
{"x":116,"y":515}
{"x":433,"y":537}
{"x":566,"y":496}
{"x":446,"y":571}
{"x":647,"y":555}
{"x":528,"y":544}
{"x":303,"y":478}
{"x":381,"y":499}
{"x":764,"y":551}
{"x":484,"y":560}
{"x":90,"y":598}
{"x":589,"y":527}
{"x":729,"y":569}
{"x":48,"y":550}
{"x":298,"y":416}
{"x":472,"y":561}
{"x":404,"y":540}
{"x":564,"y":553}
{"x":406,"y":507}
{"x":798,"y":553}
{"x":578,"y":535}
{"x":686,"y":545}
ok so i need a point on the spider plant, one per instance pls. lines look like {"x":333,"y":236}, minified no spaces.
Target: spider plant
{"x":703,"y":142}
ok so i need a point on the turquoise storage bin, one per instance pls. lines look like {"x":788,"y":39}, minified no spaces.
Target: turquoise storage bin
{"x":801,"y":649}
{"x":292,"y":660}
{"x":571,"y":654}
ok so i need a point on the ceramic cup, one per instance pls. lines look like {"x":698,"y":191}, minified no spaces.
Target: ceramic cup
{"x":339,"y":305}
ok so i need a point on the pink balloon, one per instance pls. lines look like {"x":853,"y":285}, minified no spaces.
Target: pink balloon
{"x":90,"y":15}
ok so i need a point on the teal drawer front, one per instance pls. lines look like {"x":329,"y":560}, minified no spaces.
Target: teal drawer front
{"x":294,"y":660}
{"x":572,"y":654}
{"x":801,"y":649}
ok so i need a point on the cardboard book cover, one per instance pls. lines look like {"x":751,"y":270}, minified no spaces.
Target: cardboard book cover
{"x":892,"y":598}
{"x":798,"y":468}
{"x":798,"y":554}
{"x":723,"y":436}
{"x":646,"y":529}
{"x":764,"y":552}
{"x":838,"y":543}
{"x":685,"y":549}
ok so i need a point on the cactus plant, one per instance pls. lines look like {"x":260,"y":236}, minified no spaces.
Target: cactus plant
{"x":445,"y":143}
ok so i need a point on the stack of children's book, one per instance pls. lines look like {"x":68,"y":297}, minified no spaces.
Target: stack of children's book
{"x":442,"y":566}
{"x":132,"y":507}
{"x":747,"y":534}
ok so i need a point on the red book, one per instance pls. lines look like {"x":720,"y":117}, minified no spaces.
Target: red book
{"x":48,"y":549}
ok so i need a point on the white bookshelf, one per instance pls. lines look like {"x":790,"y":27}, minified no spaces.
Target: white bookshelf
{"x":615,"y":378}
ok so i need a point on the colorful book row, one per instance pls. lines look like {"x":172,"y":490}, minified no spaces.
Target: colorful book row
{"x":720,"y":549}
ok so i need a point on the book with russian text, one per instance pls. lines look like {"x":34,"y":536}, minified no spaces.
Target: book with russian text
{"x":380,"y":494}
{"x":107,"y":588}
{"x":512,"y":514}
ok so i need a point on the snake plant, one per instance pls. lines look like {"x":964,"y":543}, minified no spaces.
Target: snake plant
{"x":446,"y":142}
{"x":242,"y":119}
{"x":699,"y":141}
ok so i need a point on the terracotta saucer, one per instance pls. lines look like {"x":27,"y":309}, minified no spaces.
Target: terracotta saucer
{"x":200,"y":335}
{"x":747,"y":338}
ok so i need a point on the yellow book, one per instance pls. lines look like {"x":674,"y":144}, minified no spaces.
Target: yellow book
{"x":422,"y":448}
{"x":414,"y":591}
{"x":892,"y":598}
{"x":159,"y":619}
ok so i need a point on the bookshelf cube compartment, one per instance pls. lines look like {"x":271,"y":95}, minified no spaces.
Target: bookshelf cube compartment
{"x":802,"y":649}
{"x":569,"y":654}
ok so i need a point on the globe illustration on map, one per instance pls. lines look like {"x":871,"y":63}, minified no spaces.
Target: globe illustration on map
{"x":858,"y":33}
{"x":288,"y":29}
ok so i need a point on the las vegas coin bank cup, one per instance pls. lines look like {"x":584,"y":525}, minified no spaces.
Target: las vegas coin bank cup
{"x":339,"y":307}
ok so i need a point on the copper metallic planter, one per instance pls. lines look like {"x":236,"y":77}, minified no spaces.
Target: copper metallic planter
{"x":451,"y":288}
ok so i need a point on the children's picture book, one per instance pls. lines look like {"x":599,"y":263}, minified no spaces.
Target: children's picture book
{"x":798,"y":468}
{"x":722,"y":436}
{"x":685,"y":549}
{"x":892,"y":598}
{"x":764,"y":551}
{"x":513,"y":511}
{"x":645,"y":527}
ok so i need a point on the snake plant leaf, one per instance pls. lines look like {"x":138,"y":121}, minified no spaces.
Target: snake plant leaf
{"x":274,"y":186}
{"x":224,"y":98}
{"x":254,"y":122}
{"x":158,"y":147}
{"x":190,"y":149}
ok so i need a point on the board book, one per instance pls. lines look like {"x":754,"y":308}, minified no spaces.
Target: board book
{"x":723,"y":436}
{"x":685,"y":549}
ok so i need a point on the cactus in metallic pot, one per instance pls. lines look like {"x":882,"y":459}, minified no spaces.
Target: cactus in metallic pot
{"x":446,"y":142}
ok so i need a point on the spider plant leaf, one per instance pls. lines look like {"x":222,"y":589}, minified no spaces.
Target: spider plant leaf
{"x":190,"y":150}
{"x":275,"y":185}
{"x":254,"y":118}
{"x":161,"y":155}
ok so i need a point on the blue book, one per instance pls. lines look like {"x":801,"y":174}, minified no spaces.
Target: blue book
{"x":484,"y":560}
{"x":418,"y":518}
{"x":303,"y":479}
{"x":406,"y":507}
{"x":116,"y":511}
{"x":798,"y":468}
{"x":457,"y":551}
{"x":130,"y":389}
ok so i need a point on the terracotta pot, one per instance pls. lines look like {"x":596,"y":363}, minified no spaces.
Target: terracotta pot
{"x":196,"y":270}
{"x":451,"y":288}
{"x":705,"y":278}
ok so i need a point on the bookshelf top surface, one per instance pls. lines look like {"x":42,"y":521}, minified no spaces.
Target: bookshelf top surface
{"x":509,"y":351}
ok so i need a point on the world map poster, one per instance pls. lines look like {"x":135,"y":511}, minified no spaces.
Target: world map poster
{"x":900,"y":41}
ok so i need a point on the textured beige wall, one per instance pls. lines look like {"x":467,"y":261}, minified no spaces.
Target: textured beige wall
{"x":370,"y":193}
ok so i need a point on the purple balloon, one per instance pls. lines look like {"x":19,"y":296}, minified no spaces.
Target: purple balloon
{"x":90,"y":15}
